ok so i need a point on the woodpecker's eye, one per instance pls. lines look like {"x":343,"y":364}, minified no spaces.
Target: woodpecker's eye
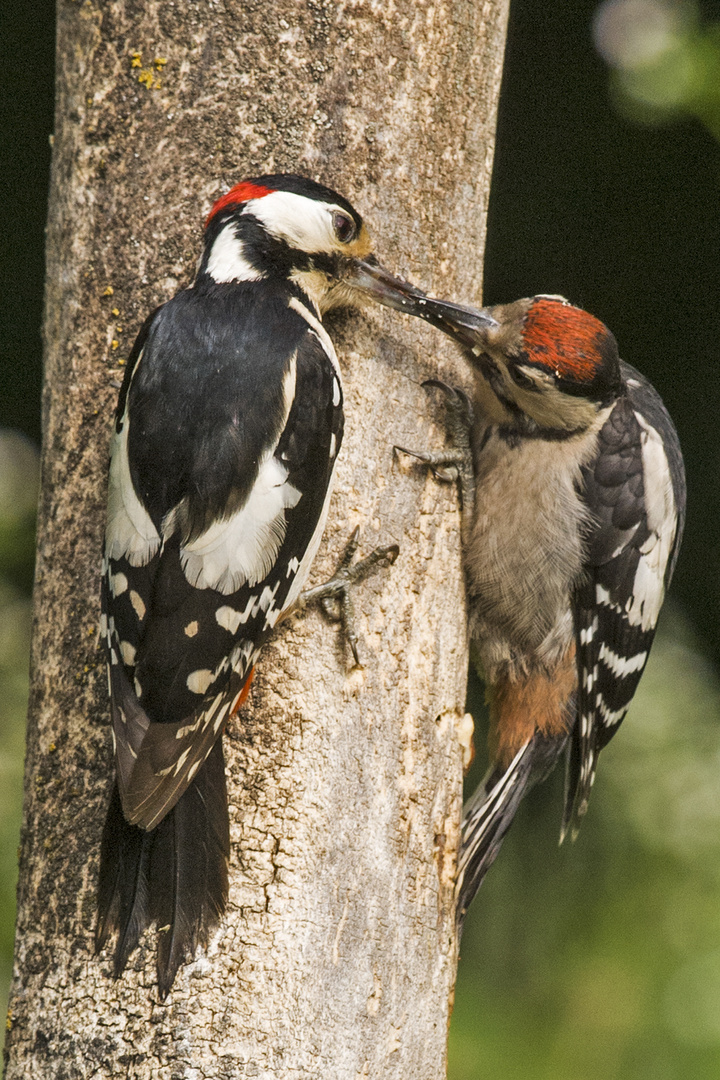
{"x":344,"y":227}
{"x":519,"y":377}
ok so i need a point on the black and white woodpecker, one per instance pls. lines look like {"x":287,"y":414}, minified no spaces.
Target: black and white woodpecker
{"x":227,"y":432}
{"x":574,"y":505}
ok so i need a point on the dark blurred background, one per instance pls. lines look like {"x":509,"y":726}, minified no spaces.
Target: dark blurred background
{"x":599,"y":960}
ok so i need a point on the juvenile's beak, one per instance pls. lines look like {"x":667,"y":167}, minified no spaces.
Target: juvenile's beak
{"x":465,"y":324}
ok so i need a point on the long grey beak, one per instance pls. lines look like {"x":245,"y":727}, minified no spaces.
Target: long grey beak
{"x":465,"y":324}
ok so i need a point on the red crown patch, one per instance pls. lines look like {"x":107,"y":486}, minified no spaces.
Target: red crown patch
{"x":235,"y":196}
{"x":566,"y":339}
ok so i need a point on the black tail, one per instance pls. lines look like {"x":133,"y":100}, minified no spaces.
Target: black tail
{"x":176,"y":875}
{"x":490,"y":811}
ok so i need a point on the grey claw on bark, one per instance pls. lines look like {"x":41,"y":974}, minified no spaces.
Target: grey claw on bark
{"x":334,"y":595}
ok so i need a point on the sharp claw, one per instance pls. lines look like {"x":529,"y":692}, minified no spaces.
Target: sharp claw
{"x":411,"y":453}
{"x":448,"y":476}
{"x":449,"y":390}
{"x":334,"y":595}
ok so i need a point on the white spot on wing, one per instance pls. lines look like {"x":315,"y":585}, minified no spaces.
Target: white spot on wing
{"x":127,"y":651}
{"x":118,"y":584}
{"x":138,"y":603}
{"x":138,"y":688}
{"x":198,"y":681}
{"x":609,"y":718}
{"x":192,"y":628}
{"x":181,"y":760}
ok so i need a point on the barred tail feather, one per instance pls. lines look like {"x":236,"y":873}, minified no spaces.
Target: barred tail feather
{"x":175,"y":875}
{"x":580,"y":765}
{"x":490,"y":812}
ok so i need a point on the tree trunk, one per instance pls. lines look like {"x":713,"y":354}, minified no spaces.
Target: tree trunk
{"x":337,"y":955}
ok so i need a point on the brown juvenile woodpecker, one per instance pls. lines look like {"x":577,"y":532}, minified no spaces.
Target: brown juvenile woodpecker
{"x":573,"y":510}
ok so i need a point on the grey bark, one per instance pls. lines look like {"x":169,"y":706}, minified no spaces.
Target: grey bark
{"x":337,"y":955}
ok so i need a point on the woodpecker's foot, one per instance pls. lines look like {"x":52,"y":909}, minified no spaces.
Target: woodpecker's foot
{"x":334,"y":595}
{"x":456,"y":462}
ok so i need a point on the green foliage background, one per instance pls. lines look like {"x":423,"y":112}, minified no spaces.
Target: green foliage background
{"x":599,"y":960}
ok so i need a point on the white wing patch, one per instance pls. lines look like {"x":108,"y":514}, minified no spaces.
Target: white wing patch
{"x":130,"y":532}
{"x":242,"y":549}
{"x":649,"y":585}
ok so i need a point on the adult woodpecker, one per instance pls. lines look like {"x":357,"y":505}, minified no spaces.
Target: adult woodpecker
{"x":573,"y":511}
{"x":227,"y":431}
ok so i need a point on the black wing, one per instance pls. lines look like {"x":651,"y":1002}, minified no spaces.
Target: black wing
{"x":635,"y":488}
{"x":186,"y":617}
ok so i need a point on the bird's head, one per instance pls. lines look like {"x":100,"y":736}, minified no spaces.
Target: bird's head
{"x":540,"y":363}
{"x":285,"y":227}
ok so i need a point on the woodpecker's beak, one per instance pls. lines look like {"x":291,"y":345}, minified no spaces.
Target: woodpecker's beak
{"x":465,"y":324}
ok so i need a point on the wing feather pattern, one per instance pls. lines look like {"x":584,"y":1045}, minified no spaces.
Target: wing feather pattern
{"x":180,"y":655}
{"x":635,"y":489}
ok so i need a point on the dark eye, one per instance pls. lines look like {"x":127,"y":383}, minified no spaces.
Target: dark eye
{"x":519,"y":377}
{"x":344,"y":227}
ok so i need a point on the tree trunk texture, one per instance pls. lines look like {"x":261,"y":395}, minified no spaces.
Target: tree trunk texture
{"x":337,"y":955}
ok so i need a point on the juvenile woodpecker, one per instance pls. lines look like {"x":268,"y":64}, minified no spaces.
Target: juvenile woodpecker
{"x":573,"y":508}
{"x":227,"y":431}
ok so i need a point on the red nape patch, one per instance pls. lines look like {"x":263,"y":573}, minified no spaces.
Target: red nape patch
{"x":566,"y":339}
{"x":239,"y":194}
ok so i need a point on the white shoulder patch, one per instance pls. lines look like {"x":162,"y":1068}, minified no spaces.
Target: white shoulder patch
{"x":242,"y":549}
{"x":130,"y":532}
{"x":649,"y":585}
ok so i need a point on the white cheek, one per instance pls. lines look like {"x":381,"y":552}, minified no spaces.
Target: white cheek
{"x":227,"y":260}
{"x":303,"y":223}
